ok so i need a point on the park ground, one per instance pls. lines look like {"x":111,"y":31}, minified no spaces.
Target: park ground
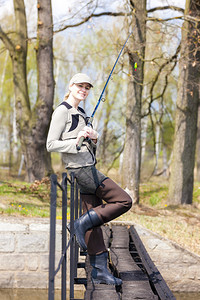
{"x":180,"y":224}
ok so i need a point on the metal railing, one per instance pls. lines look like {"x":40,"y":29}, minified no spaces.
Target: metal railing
{"x":67,"y":245}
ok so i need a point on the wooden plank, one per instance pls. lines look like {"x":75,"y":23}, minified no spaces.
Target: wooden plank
{"x":123,"y":261}
{"x":154,"y":275}
{"x":136,"y":293}
{"x":98,"y":294}
{"x":120,"y":237}
{"x":135,"y":282}
{"x":98,"y":291}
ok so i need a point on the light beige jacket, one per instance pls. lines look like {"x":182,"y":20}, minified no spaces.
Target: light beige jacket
{"x":65,"y":124}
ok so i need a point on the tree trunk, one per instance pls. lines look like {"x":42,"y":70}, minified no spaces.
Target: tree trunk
{"x":144,"y":124}
{"x":182,"y":169}
{"x":18,"y":55}
{"x":157,"y":148}
{"x":136,"y":52}
{"x":41,"y":162}
{"x":198,"y":147}
{"x":33,"y":124}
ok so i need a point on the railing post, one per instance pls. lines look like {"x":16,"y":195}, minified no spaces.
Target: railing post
{"x":76,"y":247}
{"x":75,"y":211}
{"x":52,"y":237}
{"x":64,"y":237}
{"x":71,"y":236}
{"x":80,"y":206}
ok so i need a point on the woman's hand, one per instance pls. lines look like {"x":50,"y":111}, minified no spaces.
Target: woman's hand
{"x":87,"y":132}
{"x":92,"y":134}
{"x":80,"y":134}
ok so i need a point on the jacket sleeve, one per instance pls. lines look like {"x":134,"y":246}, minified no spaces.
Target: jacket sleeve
{"x":57,"y":126}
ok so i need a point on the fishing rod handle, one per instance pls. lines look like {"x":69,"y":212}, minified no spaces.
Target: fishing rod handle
{"x":80,"y":142}
{"x":89,"y":124}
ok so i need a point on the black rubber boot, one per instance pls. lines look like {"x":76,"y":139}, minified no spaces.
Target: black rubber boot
{"x":100,"y":273}
{"x":89,"y":220}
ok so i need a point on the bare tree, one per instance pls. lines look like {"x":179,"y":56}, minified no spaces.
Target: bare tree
{"x":32,"y":123}
{"x":182,"y":168}
{"x":136,"y":53}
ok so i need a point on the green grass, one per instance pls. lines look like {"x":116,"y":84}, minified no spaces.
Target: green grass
{"x":25,"y":210}
{"x":29,"y":200}
{"x":154,"y":194}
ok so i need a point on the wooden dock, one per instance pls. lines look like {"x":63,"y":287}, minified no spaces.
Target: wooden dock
{"x":129,"y":261}
{"x":128,"y":258}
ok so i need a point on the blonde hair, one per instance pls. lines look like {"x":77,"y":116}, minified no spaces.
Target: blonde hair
{"x":66,"y":96}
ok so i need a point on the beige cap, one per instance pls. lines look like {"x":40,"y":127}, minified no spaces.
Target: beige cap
{"x":81,"y":78}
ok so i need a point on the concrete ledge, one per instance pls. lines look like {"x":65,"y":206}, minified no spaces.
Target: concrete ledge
{"x":24,"y":252}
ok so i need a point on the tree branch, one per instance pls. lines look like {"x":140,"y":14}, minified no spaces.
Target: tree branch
{"x":176,"y":8}
{"x":117,"y":14}
{"x":7,"y":42}
{"x":165,"y":20}
{"x":173,"y":58}
{"x":116,"y":156}
{"x":113,"y":14}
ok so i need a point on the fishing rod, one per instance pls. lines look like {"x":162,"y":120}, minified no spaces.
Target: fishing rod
{"x":89,"y":124}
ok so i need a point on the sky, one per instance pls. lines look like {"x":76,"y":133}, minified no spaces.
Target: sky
{"x":154,"y":3}
{"x":62,"y":7}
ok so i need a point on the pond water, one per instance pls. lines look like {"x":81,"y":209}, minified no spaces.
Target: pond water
{"x":31,"y":294}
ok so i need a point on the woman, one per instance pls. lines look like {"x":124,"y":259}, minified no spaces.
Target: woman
{"x":67,"y":126}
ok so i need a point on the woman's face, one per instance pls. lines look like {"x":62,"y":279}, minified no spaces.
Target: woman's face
{"x":80,"y":91}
